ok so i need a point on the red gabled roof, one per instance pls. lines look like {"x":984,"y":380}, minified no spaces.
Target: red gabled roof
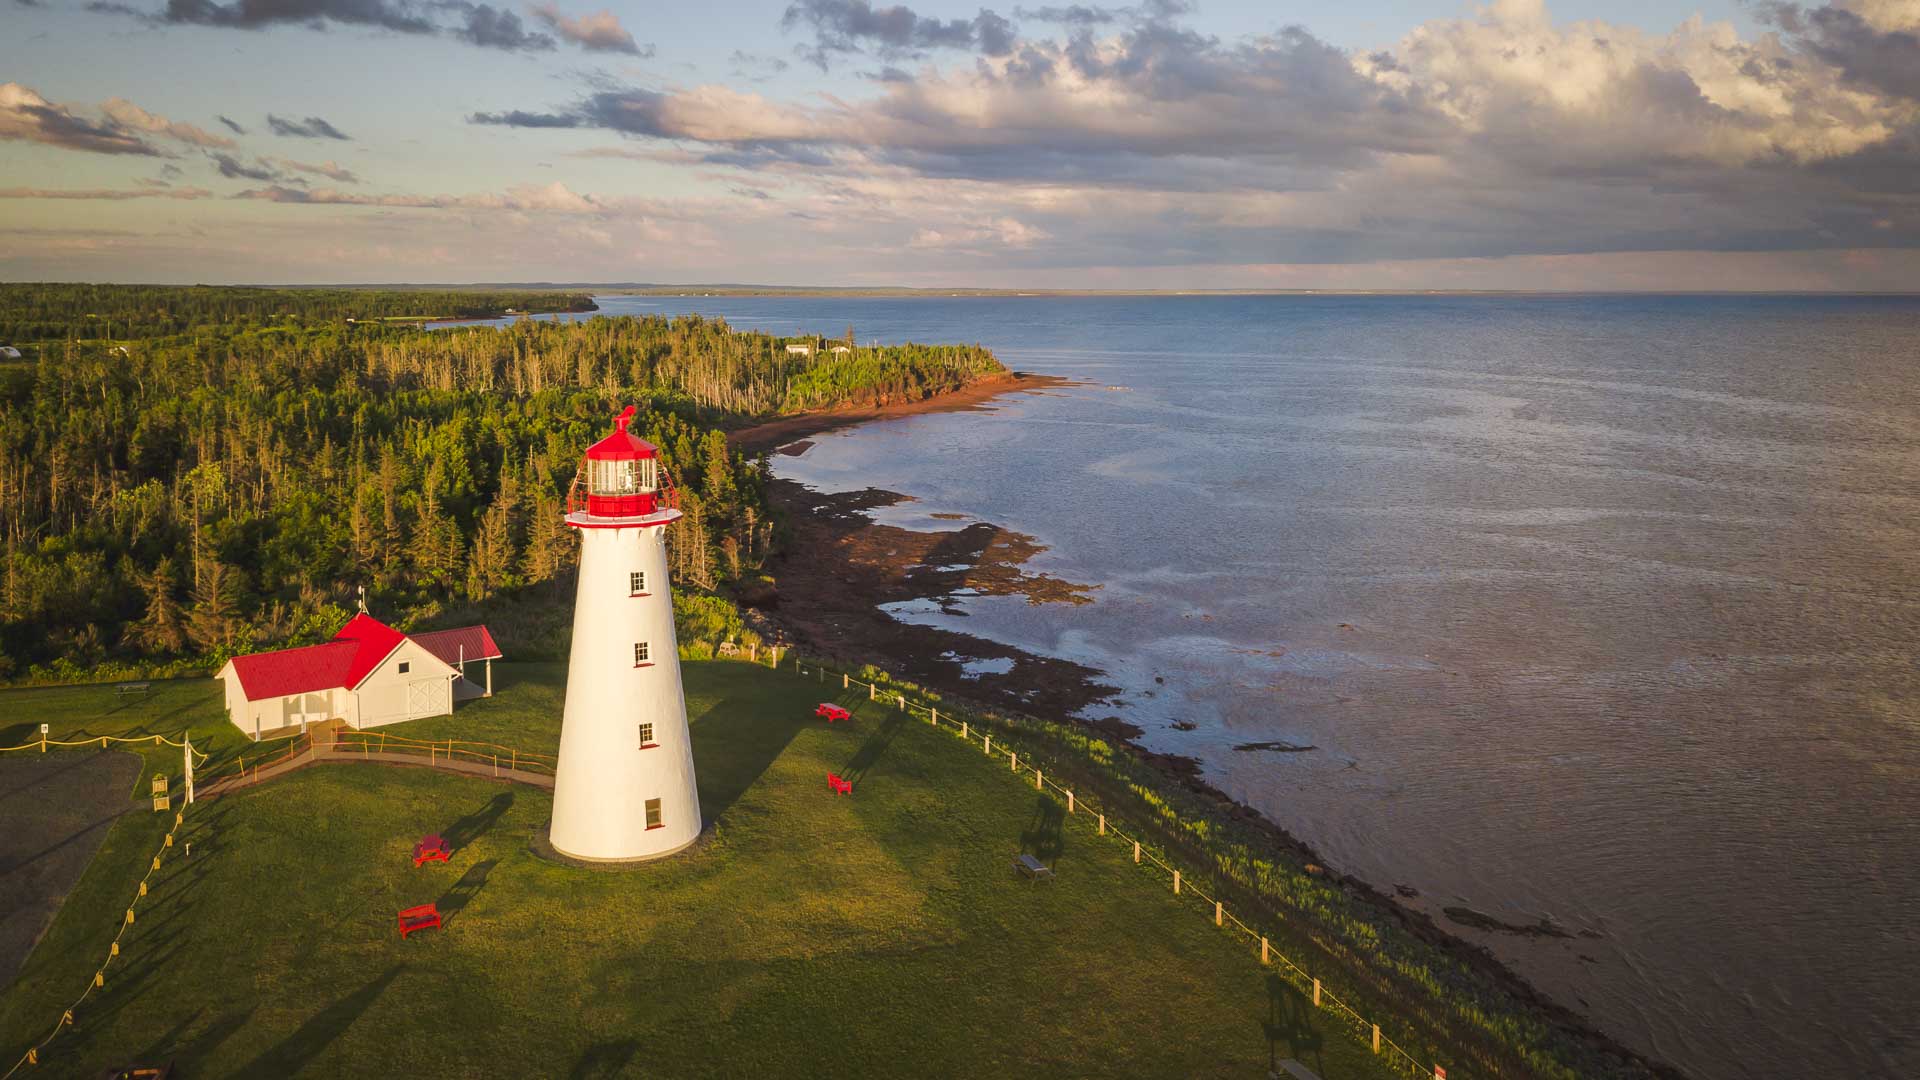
{"x":345,"y":661}
{"x":470,"y":642}
{"x":377,"y":641}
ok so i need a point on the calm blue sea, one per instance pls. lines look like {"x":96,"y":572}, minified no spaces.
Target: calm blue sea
{"x":1598,"y":608}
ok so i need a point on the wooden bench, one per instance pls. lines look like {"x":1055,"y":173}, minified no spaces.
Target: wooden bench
{"x":832,"y":712}
{"x":839,"y":786}
{"x":419,"y":918}
{"x":1032,"y":869}
{"x":126,"y":688}
{"x":431,"y":848}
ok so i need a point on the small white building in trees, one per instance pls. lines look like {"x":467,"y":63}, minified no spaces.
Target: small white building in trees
{"x":369,"y":674}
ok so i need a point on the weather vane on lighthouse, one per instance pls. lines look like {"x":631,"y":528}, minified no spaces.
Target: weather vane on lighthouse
{"x":624,"y":786}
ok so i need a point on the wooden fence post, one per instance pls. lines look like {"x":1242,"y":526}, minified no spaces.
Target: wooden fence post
{"x":963,"y":729}
{"x":1103,"y":824}
{"x":870,"y":691}
{"x":1039,"y":781}
{"x":1316,"y":993}
{"x":1069,"y":802}
{"x":1263,"y":950}
{"x":903,"y":701}
{"x":1219,"y":914}
{"x":1376,"y":1038}
{"x":1013,"y":762}
{"x":1136,"y":851}
{"x":753,"y":652}
{"x":845,"y":680}
{"x":1176,"y":883}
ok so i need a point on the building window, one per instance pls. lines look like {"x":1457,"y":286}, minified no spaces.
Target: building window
{"x":637,"y":583}
{"x":653,"y":813}
{"x":639,"y":653}
{"x":646,"y":736}
{"x":405,"y":666}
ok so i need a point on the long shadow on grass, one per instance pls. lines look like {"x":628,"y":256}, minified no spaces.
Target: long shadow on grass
{"x":1045,"y":835}
{"x":297,"y":1050}
{"x":733,"y":744}
{"x":477,"y":824}
{"x":1289,"y":1026}
{"x":871,"y":751}
{"x":604,"y":1059}
{"x":457,"y":898}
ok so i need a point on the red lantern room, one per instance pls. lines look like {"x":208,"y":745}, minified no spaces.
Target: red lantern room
{"x":622,"y":477}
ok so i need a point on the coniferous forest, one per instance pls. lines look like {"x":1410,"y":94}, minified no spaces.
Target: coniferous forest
{"x":170,"y":499}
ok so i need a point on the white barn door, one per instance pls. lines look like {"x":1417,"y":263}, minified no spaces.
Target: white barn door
{"x":426,"y":697}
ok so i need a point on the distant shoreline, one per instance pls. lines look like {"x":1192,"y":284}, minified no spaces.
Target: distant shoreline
{"x":769,"y":436}
{"x":857,"y":292}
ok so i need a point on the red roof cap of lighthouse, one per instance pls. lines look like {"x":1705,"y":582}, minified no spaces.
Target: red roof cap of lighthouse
{"x":622,"y":446}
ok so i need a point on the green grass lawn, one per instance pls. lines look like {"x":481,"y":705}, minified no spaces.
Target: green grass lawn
{"x":882,"y":934}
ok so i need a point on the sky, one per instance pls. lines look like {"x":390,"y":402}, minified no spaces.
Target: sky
{"x":1163,"y":144}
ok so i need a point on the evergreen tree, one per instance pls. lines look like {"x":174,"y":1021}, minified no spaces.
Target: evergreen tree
{"x":163,"y":630}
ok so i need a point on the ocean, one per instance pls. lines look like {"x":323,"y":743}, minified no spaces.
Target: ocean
{"x":1596,"y":609}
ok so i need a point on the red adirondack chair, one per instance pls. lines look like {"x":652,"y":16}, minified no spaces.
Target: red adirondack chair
{"x":839,"y":786}
{"x":418,"y":918}
{"x":431,"y":848}
{"x":832,"y":712}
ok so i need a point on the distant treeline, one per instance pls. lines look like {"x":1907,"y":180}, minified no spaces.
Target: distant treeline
{"x":56,"y":312}
{"x":178,"y":499}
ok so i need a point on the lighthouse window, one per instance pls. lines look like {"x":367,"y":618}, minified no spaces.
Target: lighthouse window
{"x":639,"y":653}
{"x":646,"y":736}
{"x":637,"y":583}
{"x":653,"y":813}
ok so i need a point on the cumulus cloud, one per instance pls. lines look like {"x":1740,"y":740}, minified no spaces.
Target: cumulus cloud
{"x":121,"y":127}
{"x":132,"y":117}
{"x":313,"y":127}
{"x":842,"y":27}
{"x":498,"y":28}
{"x":27,"y":116}
{"x":1130,"y":138}
{"x":598,"y":32}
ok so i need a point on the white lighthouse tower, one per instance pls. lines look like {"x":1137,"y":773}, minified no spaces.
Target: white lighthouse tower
{"x":624,"y":787}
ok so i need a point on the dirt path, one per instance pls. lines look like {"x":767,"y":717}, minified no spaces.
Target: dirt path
{"x":355,"y":754}
{"x":57,"y":808}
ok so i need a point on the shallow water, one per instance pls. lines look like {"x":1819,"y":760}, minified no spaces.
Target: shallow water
{"x":1597,"y":608}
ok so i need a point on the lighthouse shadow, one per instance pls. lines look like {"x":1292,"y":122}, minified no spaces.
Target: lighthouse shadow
{"x":873,"y":749}
{"x":734,"y":743}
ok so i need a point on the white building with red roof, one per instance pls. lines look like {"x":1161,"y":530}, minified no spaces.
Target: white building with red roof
{"x":369,"y":674}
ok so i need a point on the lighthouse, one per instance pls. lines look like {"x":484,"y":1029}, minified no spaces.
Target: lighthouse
{"x":624,"y":786}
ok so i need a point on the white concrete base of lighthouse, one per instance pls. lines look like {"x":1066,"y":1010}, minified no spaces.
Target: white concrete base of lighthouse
{"x":624,"y":785}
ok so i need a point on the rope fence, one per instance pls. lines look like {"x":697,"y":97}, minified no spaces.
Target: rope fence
{"x":1107,"y":825}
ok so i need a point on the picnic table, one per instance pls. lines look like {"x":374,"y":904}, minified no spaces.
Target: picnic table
{"x":832,"y":712}
{"x":1032,"y":869}
{"x":431,"y":848}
